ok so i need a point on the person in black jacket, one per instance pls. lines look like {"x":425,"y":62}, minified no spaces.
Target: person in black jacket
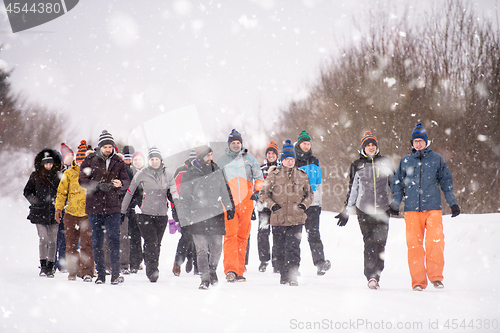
{"x":41,"y":192}
{"x":369,"y":190}
{"x":204,"y":196}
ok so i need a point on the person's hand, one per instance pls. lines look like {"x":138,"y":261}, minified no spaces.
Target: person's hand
{"x":255,"y":196}
{"x":117,"y":183}
{"x":343,"y":218}
{"x":58,"y":216}
{"x":394,"y":209}
{"x":123,"y":218}
{"x":230,"y":214}
{"x":105,"y":187}
{"x":275,"y":207}
{"x":455,"y":211}
{"x":302,"y":206}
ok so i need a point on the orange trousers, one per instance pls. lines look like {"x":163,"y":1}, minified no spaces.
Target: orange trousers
{"x":425,"y":263}
{"x":236,"y":238}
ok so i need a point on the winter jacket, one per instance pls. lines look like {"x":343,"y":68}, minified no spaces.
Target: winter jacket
{"x":418,"y":178}
{"x":310,"y":164}
{"x":287,"y":187}
{"x":70,"y":189}
{"x":369,"y":185}
{"x":204,"y":195}
{"x":41,"y":189}
{"x":265,"y":167}
{"x":92,"y":172}
{"x":155,"y":185}
{"x":241,"y":170}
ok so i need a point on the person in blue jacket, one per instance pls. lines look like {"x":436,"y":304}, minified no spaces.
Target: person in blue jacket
{"x":310,"y":164}
{"x":417,"y":180}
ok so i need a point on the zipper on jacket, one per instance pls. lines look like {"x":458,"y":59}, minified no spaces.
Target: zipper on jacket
{"x":374,"y":187}
{"x":420,"y":184}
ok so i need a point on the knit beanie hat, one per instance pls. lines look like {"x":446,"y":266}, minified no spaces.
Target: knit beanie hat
{"x":303,"y":136}
{"x":154,"y":152}
{"x":272,"y":146}
{"x":138,"y":153}
{"x":65,"y":150}
{"x":192,"y":154}
{"x":82,"y":149}
{"x":368,"y":138}
{"x":128,"y":151}
{"x":288,"y":150}
{"x":202,"y":151}
{"x":106,"y":139}
{"x":419,"y":132}
{"x":234,"y":136}
{"x":47,"y":159}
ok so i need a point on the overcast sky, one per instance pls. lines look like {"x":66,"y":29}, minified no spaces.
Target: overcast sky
{"x":117,"y":64}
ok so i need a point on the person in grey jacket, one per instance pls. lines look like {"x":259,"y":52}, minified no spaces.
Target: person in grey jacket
{"x":369,"y":190}
{"x":158,"y":187}
{"x":204,"y":196}
{"x":417,"y":179}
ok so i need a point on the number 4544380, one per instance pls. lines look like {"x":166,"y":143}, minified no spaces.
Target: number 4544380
{"x":40,"y":8}
{"x":473,"y":324}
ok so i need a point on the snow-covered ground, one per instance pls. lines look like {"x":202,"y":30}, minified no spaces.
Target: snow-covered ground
{"x":338,"y":301}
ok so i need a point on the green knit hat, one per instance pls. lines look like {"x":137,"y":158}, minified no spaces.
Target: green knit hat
{"x":303,"y":136}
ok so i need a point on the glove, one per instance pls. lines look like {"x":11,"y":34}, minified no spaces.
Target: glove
{"x":394,"y":209}
{"x":275,"y":207}
{"x":254,"y":217}
{"x":343,"y":218}
{"x":455,"y":211}
{"x":172,"y":227}
{"x":255,"y":196}
{"x":58,"y":216}
{"x":174,"y":214}
{"x":230,"y":214}
{"x":123,"y":218}
{"x":105,"y":187}
{"x":301,"y":206}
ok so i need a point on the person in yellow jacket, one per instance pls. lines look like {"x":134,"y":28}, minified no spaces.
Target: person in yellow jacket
{"x":71,"y":198}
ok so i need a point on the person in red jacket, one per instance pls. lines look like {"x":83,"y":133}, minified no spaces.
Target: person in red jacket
{"x":103,"y":174}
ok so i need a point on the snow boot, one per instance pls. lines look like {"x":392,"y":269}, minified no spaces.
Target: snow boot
{"x":204,"y":285}
{"x":437,"y":284}
{"x":240,"y":278}
{"x":189,"y":265}
{"x":176,"y":270}
{"x":323,"y":267}
{"x":154,"y":276}
{"x":117,"y":278}
{"x":87,"y":278}
{"x":43,"y":267}
{"x":100,"y":279}
{"x":231,"y":277}
{"x":213,"y":279}
{"x":263,"y":266}
{"x":50,"y":269}
{"x":418,"y":288}
{"x":373,"y":284}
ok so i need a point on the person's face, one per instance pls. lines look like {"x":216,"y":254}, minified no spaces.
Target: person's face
{"x":418,"y":144}
{"x":48,"y":166}
{"x":138,"y":162}
{"x":68,"y":158}
{"x":208,"y":158}
{"x":305,"y":146}
{"x":106,"y":150}
{"x":235,"y":146}
{"x":271,"y":156}
{"x":370,"y":149}
{"x":127,"y":161}
{"x":155,"y":162}
{"x":289,"y":162}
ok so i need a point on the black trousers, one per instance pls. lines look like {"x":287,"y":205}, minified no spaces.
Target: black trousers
{"x":134,"y":233}
{"x":286,"y":249}
{"x":186,"y":249}
{"x":313,"y":235}
{"x":152,"y":230}
{"x":374,"y":229}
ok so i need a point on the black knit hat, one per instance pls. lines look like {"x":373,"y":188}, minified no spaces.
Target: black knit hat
{"x":202,"y":151}
{"x":105,"y":139}
{"x":128,"y":152}
{"x":234,"y":136}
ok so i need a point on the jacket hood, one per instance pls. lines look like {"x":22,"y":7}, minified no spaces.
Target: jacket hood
{"x":52,"y":153}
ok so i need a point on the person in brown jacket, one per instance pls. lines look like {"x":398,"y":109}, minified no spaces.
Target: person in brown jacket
{"x":288,"y":193}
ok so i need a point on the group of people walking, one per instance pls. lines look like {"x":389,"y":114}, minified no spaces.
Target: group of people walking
{"x":214,"y":201}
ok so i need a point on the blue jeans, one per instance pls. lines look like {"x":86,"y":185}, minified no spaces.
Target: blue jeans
{"x":109,"y":223}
